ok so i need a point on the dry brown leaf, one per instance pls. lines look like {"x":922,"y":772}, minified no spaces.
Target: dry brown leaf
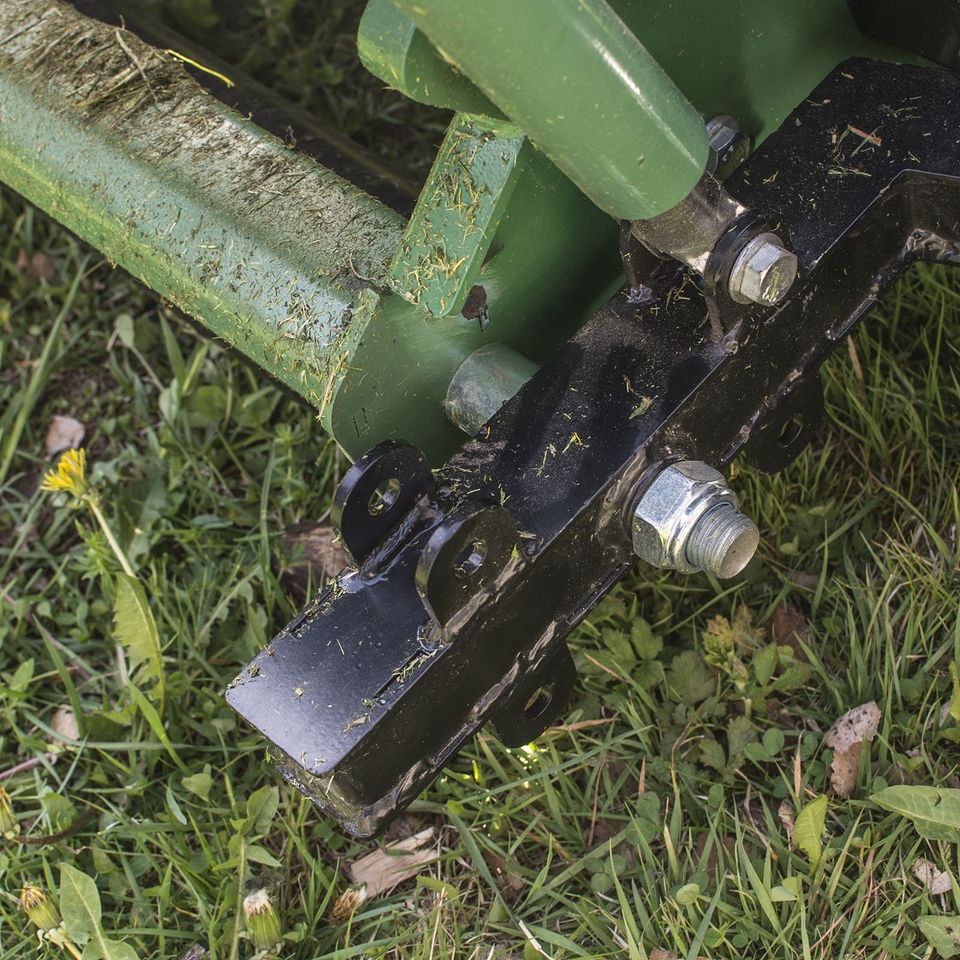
{"x":310,"y":552}
{"x":380,"y":871}
{"x":787,"y":817}
{"x":789,"y":628}
{"x":37,"y":266}
{"x":936,"y":881}
{"x":64,"y":722}
{"x":64,"y":433}
{"x":657,"y":953}
{"x":509,"y":881}
{"x":846,"y":738}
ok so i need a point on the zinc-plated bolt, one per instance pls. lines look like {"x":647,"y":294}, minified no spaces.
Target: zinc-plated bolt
{"x":687,"y":520}
{"x":729,"y":146}
{"x":763,"y":272}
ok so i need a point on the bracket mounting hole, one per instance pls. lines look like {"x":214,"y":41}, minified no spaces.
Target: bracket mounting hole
{"x":384,"y":497}
{"x":470,"y":559}
{"x":538,"y":702}
{"x":791,"y":430}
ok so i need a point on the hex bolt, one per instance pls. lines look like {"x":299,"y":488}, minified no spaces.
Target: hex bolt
{"x":763,"y":272}
{"x":729,"y":146}
{"x":687,"y":520}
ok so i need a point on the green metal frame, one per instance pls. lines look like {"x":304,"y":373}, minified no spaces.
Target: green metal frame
{"x":365,"y":315}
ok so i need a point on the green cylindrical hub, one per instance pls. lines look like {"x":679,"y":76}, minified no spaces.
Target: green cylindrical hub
{"x":574,"y":78}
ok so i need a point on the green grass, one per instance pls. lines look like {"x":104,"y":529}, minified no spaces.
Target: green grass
{"x":648,"y":822}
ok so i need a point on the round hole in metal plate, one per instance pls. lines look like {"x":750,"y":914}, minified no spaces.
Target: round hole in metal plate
{"x":383,"y":497}
{"x":538,"y":701}
{"x":791,"y":430}
{"x":470,"y":559}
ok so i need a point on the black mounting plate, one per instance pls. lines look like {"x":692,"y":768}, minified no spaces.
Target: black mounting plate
{"x":371,"y":690}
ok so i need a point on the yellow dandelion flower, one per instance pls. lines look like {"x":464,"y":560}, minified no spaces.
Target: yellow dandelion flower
{"x":70,"y":474}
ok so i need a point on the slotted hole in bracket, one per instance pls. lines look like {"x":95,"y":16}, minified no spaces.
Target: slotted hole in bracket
{"x":791,"y":430}
{"x":470,"y":559}
{"x":384,"y":497}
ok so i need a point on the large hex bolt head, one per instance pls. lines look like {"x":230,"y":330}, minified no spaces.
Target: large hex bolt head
{"x":687,"y":520}
{"x":763,"y":272}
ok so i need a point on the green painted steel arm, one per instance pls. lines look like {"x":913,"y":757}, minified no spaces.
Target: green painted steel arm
{"x":265,"y":246}
{"x":584,"y":89}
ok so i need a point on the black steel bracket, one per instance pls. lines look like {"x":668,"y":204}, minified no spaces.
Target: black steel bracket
{"x":470,"y":582}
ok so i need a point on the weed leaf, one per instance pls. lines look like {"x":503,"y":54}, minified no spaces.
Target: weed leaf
{"x":943,"y":934}
{"x":104,"y":949}
{"x":934,"y":812}
{"x":137,"y":631}
{"x":80,"y":909}
{"x":808,"y":829}
{"x":262,"y":807}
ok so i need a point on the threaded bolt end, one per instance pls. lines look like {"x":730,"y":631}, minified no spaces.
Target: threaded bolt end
{"x":722,"y":542}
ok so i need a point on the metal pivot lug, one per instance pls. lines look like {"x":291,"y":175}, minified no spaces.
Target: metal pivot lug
{"x":729,"y":146}
{"x":691,"y":229}
{"x":687,"y":520}
{"x":463,"y":560}
{"x":483,"y":383}
{"x":538,"y":700}
{"x":376,"y":493}
{"x":763,"y":272}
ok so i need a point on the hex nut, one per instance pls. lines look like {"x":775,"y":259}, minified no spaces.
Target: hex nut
{"x":763,"y":272}
{"x":729,"y":146}
{"x":667,"y":519}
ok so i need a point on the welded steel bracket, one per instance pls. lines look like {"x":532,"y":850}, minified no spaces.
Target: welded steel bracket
{"x":459,"y":614}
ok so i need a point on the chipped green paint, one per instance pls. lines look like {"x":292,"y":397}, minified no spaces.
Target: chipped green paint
{"x":458,"y":213}
{"x":266,"y":247}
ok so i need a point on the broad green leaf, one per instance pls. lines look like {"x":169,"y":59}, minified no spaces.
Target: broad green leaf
{"x":773,"y":741}
{"x":22,"y":676}
{"x":942,"y":933}
{"x":174,"y":807}
{"x":780,"y":894}
{"x":689,"y":893}
{"x":258,"y":854}
{"x":740,"y":734}
{"x":808,"y":829}
{"x":199,"y":784}
{"x":262,"y":808}
{"x":124,"y":327}
{"x":105,"y":949}
{"x":80,"y":909}
{"x":935,"y":812}
{"x":765,"y":664}
{"x":644,"y":641}
{"x":137,"y":631}
{"x":79,"y":904}
{"x":711,"y":754}
{"x":690,"y":679}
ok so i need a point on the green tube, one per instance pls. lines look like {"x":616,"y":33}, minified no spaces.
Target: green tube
{"x":574,"y":78}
